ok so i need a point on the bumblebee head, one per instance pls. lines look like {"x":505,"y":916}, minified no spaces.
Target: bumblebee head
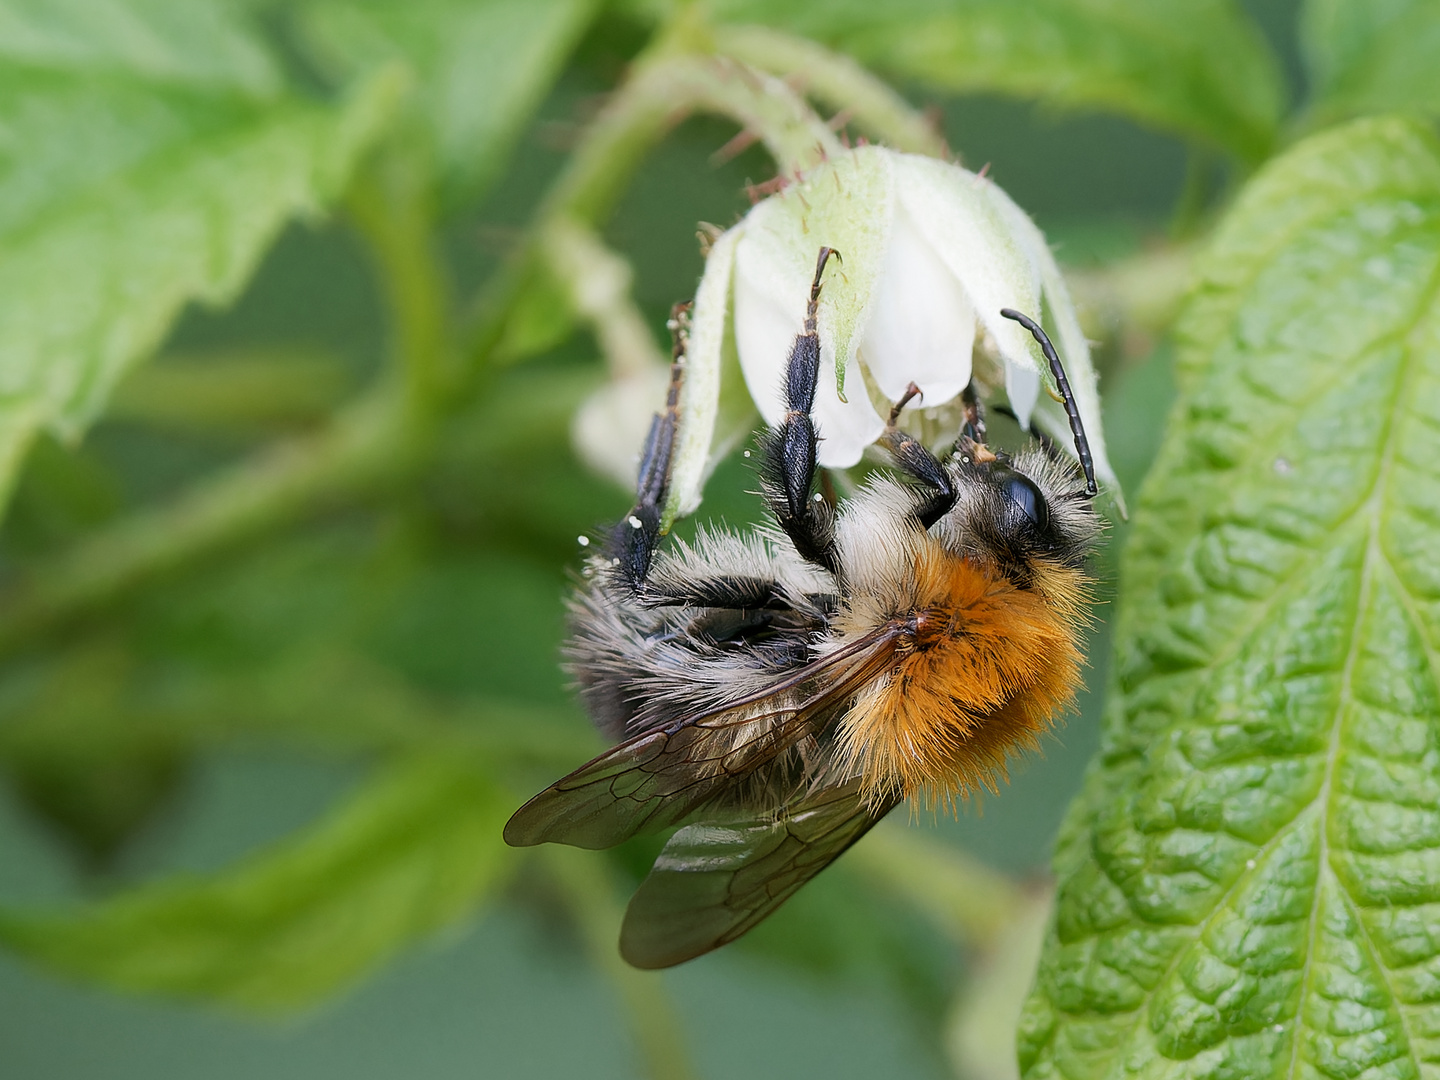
{"x":1033,"y":506}
{"x":1014,"y":509}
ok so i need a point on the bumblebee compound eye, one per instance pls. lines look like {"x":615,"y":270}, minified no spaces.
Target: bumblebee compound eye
{"x":1024,"y":494}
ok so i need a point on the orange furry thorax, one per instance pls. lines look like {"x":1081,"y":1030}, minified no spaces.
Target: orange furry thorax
{"x":981,"y":668}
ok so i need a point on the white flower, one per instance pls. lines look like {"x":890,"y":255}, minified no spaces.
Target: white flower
{"x":931,"y":253}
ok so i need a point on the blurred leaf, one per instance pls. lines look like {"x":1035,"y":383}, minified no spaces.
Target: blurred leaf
{"x":1194,"y":67}
{"x":98,"y":701}
{"x":415,"y":849}
{"x":148,"y":160}
{"x":95,"y":797}
{"x":482,"y":66}
{"x":1372,"y":55}
{"x":459,"y":620}
{"x":199,"y":44}
{"x":233,"y":392}
{"x":1249,"y":880}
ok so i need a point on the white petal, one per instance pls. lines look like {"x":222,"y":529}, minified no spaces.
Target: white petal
{"x":921,"y":327}
{"x":846,"y":427}
{"x":971,"y":235}
{"x":769,"y":311}
{"x":845,"y":203}
{"x":1022,"y":387}
{"x":700,"y":392}
{"x":770,"y":299}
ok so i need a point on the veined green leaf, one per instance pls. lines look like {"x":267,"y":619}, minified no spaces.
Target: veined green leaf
{"x":482,"y":67}
{"x":1372,"y":55}
{"x":1250,"y":881}
{"x":1195,"y":67}
{"x":415,"y":849}
{"x":137,"y":173}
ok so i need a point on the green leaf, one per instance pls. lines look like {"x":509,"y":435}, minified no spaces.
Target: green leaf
{"x":482,"y":67}
{"x":1195,"y":67}
{"x":1250,"y":880}
{"x":197,"y":44}
{"x":148,"y":160}
{"x":415,"y":849}
{"x":1372,"y":55}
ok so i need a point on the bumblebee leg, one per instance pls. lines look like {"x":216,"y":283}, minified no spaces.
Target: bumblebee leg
{"x":911,"y":456}
{"x":787,"y":464}
{"x":732,"y":592}
{"x":974,"y":414}
{"x":633,"y":540}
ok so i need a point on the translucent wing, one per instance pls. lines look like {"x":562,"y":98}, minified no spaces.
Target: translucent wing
{"x":716,"y":881}
{"x":660,"y":777}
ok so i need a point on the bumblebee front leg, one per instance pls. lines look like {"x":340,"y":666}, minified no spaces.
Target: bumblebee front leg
{"x":633,"y":540}
{"x":911,"y":456}
{"x":788,"y":459}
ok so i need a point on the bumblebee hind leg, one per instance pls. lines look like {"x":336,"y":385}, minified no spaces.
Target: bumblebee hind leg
{"x":633,"y":540}
{"x":788,"y":450}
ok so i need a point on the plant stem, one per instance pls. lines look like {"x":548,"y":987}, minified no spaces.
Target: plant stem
{"x":665,"y":88}
{"x":589,"y":893}
{"x":838,"y":81}
{"x":981,"y":1029}
{"x":662,"y":92}
{"x":365,"y":441}
{"x":391,"y":205}
{"x":598,"y":281}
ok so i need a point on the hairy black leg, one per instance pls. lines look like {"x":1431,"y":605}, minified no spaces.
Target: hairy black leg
{"x":734,"y":592}
{"x":633,"y":540}
{"x":912,"y":457}
{"x":787,"y":461}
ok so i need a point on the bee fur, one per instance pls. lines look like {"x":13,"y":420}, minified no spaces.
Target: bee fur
{"x":777,"y":692}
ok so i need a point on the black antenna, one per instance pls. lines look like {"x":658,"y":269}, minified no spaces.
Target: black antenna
{"x":1082,"y":444}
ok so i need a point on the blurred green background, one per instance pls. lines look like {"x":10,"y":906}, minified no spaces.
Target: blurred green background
{"x":236,"y":700}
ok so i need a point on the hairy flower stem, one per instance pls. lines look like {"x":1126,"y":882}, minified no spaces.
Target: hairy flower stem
{"x":663,"y":90}
{"x":598,"y":281}
{"x":836,"y":81}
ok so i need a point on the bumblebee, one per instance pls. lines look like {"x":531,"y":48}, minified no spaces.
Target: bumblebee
{"x":778,"y":693}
